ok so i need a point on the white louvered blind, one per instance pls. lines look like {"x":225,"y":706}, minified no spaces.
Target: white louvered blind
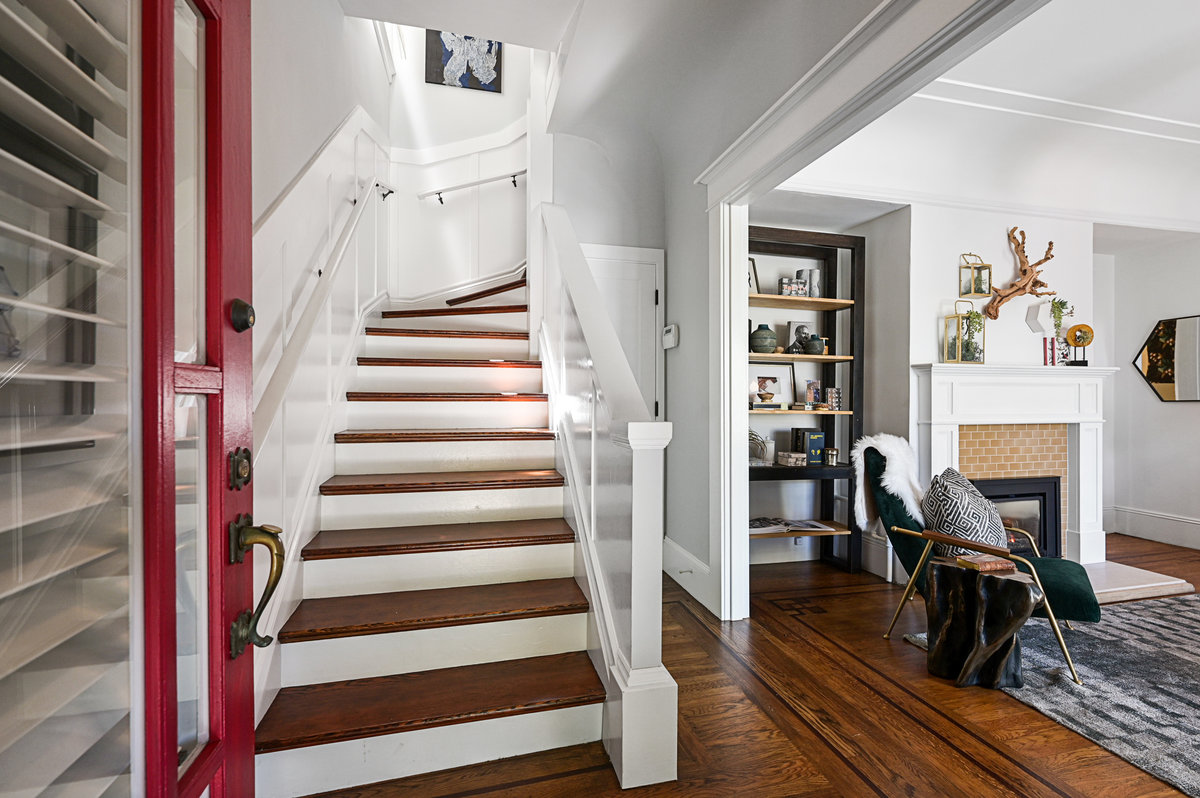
{"x":65,"y":399}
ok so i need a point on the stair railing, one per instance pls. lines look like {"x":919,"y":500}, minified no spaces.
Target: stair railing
{"x":612,"y":455}
{"x":321,"y":259}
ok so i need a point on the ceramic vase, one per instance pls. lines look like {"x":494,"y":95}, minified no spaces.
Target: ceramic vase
{"x":762,"y":340}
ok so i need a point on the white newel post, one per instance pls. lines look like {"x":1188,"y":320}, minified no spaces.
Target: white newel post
{"x":949,"y":396}
{"x":641,"y":728}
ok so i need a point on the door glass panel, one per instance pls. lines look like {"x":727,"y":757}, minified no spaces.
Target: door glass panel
{"x":66,"y":344}
{"x":189,"y":184}
{"x":191,"y":574}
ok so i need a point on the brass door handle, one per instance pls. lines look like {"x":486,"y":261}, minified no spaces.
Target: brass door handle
{"x":243,"y":536}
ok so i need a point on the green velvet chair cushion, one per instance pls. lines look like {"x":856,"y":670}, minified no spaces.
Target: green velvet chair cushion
{"x":1067,"y":585}
{"x":1068,"y":589}
{"x":892,"y":512}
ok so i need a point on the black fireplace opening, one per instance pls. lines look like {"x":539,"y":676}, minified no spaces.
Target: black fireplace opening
{"x":1030,"y":503}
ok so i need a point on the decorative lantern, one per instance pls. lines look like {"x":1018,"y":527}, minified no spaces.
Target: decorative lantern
{"x":964,"y":335}
{"x":974,"y":276}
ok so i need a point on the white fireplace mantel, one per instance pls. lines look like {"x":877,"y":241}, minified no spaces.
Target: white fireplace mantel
{"x":949,"y":396}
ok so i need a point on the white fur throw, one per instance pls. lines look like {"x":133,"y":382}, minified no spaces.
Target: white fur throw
{"x":899,"y":477}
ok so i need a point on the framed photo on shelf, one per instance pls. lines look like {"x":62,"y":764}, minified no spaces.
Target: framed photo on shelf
{"x":752,"y":276}
{"x":775,"y":380}
{"x":798,"y":332}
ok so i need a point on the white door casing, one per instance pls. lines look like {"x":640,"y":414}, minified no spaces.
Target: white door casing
{"x":630,"y":280}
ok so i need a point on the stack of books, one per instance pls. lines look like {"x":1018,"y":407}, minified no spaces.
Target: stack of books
{"x":986,"y":562}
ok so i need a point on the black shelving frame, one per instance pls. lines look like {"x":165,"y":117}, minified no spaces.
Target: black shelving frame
{"x":826,"y":247}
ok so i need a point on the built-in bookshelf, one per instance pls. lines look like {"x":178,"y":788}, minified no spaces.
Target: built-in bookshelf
{"x":836,"y":315}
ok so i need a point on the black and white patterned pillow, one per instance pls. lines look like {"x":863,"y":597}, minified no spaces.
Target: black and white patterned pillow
{"x":953,"y":506}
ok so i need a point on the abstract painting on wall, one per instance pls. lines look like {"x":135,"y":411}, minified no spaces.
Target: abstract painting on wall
{"x":452,"y":59}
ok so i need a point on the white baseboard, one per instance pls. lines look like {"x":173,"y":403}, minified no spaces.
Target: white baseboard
{"x":1177,"y":530}
{"x":877,"y":557}
{"x":691,"y":574}
{"x":458,"y":289}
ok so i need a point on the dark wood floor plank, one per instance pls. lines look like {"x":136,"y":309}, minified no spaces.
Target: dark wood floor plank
{"x":447,"y":362}
{"x":430,"y":396}
{"x":357,"y":484}
{"x":334,"y":543}
{"x":499,"y":335}
{"x":350,"y":710}
{"x":479,"y":310}
{"x":381,"y":613}
{"x":441,"y":435}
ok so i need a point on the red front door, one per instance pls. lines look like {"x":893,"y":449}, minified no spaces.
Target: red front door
{"x":196,"y":250}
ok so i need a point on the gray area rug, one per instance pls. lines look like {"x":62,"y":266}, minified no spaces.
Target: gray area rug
{"x":1140,"y":696}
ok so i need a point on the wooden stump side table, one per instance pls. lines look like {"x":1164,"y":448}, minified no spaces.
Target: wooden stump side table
{"x":974,"y":617}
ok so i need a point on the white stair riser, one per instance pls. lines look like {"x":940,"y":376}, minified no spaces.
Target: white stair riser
{"x":475,"y":348}
{"x":358,"y":576}
{"x":501,"y":322}
{"x":364,"y":656}
{"x":413,"y":457}
{"x":447,"y":378}
{"x":446,"y":415}
{"x":360,"y":511}
{"x":302,"y":771}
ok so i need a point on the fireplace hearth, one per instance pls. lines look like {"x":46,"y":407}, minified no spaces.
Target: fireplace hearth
{"x":1029,"y":503}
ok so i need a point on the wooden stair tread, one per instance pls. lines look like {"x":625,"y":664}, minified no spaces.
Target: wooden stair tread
{"x":381,"y":613}
{"x":417,"y":435}
{"x":396,"y":332}
{"x":427,"y":396}
{"x":443,"y":362}
{"x":343,"y":484}
{"x":337,"y":543}
{"x":486,"y":292}
{"x":417,"y":313}
{"x":349,"y":710}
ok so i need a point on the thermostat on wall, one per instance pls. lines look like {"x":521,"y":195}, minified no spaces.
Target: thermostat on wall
{"x":670,"y":336}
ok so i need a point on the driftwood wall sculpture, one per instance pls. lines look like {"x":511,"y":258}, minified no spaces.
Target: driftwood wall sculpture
{"x":1028,"y":276}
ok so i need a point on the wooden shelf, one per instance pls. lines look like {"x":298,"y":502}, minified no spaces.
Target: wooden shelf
{"x":799,"y":302}
{"x":838,"y":529}
{"x":780,"y":472}
{"x":757,"y":357}
{"x":803,"y":412}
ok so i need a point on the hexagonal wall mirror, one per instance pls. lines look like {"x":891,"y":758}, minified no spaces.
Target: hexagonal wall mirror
{"x":1169,"y":361}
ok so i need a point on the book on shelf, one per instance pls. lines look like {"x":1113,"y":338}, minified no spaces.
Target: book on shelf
{"x":814,"y":446}
{"x":764,"y":525}
{"x":769,"y":406}
{"x":985,"y":562}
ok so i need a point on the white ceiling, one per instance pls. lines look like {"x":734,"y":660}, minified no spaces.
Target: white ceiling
{"x":1108,"y":65}
{"x":530,"y":23}
{"x":820,"y":212}
{"x":1135,"y":58}
{"x":1115,"y":239}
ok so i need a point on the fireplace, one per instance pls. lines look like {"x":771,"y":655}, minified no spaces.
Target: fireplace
{"x":1032,"y":504}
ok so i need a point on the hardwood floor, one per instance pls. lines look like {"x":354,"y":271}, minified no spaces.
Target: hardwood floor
{"x":807,"y":699}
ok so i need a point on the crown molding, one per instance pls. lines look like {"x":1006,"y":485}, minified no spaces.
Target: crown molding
{"x":992,"y":98}
{"x":904,"y":197}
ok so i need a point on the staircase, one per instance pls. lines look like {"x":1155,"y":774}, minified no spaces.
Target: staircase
{"x":441,"y":623}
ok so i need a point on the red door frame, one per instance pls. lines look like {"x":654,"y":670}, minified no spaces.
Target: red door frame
{"x":227,"y":761}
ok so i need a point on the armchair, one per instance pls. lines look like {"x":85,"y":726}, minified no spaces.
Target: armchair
{"x":1068,"y":591}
